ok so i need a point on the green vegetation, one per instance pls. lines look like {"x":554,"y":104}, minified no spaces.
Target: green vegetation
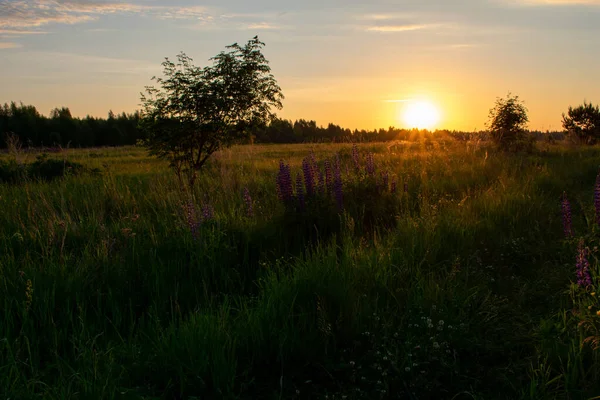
{"x":417,"y":270}
{"x":197,"y":111}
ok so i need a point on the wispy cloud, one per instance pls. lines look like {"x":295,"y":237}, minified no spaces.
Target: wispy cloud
{"x":400,"y":28}
{"x":554,"y":2}
{"x":387,"y":16}
{"x":19,"y":32}
{"x":263,"y":26}
{"x":31,"y":14}
{"x":9,"y":45}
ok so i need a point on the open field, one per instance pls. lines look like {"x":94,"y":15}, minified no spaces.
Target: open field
{"x":444,"y":273}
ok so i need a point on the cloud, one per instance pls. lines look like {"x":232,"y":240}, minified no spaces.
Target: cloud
{"x":263,"y":26}
{"x":399,"y":28}
{"x":555,"y":2}
{"x":19,"y":32}
{"x":9,"y":45}
{"x":31,"y":14}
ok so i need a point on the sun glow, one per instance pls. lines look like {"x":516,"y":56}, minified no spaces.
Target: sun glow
{"x":421,"y":115}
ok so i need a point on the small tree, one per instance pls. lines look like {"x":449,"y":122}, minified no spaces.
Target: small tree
{"x":198,"y":110}
{"x":508,"y":123}
{"x":583,"y":123}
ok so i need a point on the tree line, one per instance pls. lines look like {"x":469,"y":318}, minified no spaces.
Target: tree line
{"x":60,"y":128}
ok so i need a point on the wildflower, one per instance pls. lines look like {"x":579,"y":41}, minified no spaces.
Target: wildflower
{"x":321,"y":183}
{"x":370,"y":167}
{"x":191,"y":218}
{"x":352,"y":363}
{"x":407,"y":369}
{"x":300,"y":192}
{"x":405,"y":187}
{"x":309,"y":176}
{"x":597,"y":198}
{"x":208,"y":212}
{"x":328,"y":176}
{"x":248,"y":201}
{"x":355,"y":157}
{"x":284,"y":182}
{"x":566,"y":215}
{"x":441,"y":322}
{"x":28,"y":294}
{"x":598,"y":313}
{"x":593,"y":293}
{"x":393,"y":188}
{"x":436,"y":345}
{"x":385,"y":179}
{"x":337,"y":185}
{"x":584,"y":278}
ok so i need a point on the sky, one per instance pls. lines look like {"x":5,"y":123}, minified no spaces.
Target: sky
{"x":354,"y":63}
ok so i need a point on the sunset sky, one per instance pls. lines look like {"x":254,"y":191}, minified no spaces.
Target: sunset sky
{"x":354,"y":63}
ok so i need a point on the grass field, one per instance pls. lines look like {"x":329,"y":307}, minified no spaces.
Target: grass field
{"x":435,"y":270}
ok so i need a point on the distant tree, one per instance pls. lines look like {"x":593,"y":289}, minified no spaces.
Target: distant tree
{"x":583,"y":123}
{"x":198,"y":110}
{"x":508,"y":123}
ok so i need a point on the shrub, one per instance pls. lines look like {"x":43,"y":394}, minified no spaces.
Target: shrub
{"x":583,"y":123}
{"x":507,"y":124}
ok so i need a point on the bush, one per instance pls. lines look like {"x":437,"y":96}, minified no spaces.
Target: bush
{"x":43,"y":169}
{"x":583,"y":123}
{"x":507,"y":124}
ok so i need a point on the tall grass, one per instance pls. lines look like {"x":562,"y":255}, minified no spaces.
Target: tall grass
{"x":453,"y":285}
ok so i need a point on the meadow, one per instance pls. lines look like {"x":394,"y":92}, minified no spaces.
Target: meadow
{"x":413,"y":270}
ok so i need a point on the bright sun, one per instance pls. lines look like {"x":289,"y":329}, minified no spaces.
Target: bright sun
{"x":421,"y":114}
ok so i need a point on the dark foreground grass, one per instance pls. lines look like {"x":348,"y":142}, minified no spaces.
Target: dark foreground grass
{"x":448,"y":276}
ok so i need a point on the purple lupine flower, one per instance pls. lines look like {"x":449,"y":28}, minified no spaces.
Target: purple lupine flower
{"x":584,"y":278}
{"x":597,"y":198}
{"x":328,"y":176}
{"x":355,"y":157}
{"x":300,"y":193}
{"x":566,"y":216}
{"x":191,"y":217}
{"x":284,"y":182}
{"x":393,"y":186}
{"x":337,"y":185}
{"x":370,"y":164}
{"x":309,"y":176}
{"x":405,"y":187}
{"x":248,"y":201}
{"x":321,"y":183}
{"x":385,"y":179}
{"x":208,"y":212}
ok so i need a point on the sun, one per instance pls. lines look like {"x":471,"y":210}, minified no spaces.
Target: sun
{"x":421,"y":115}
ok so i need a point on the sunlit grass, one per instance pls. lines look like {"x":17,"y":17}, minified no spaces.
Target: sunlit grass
{"x":105,"y":293}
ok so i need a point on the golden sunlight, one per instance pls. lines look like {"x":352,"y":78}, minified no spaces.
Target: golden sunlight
{"x":421,"y":115}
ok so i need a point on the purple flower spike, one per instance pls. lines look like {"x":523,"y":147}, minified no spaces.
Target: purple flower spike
{"x":248,"y":202}
{"x":338,"y":185}
{"x":385,"y":179}
{"x":284,"y":182}
{"x":300,"y":193}
{"x":309,"y":175}
{"x":584,"y":278}
{"x":597,"y":198}
{"x":370,"y":164}
{"x":191,"y":216}
{"x":566,"y":216}
{"x":355,"y":157}
{"x":393,"y":188}
{"x":321,"y":183}
{"x":208,"y":212}
{"x":328,"y":176}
